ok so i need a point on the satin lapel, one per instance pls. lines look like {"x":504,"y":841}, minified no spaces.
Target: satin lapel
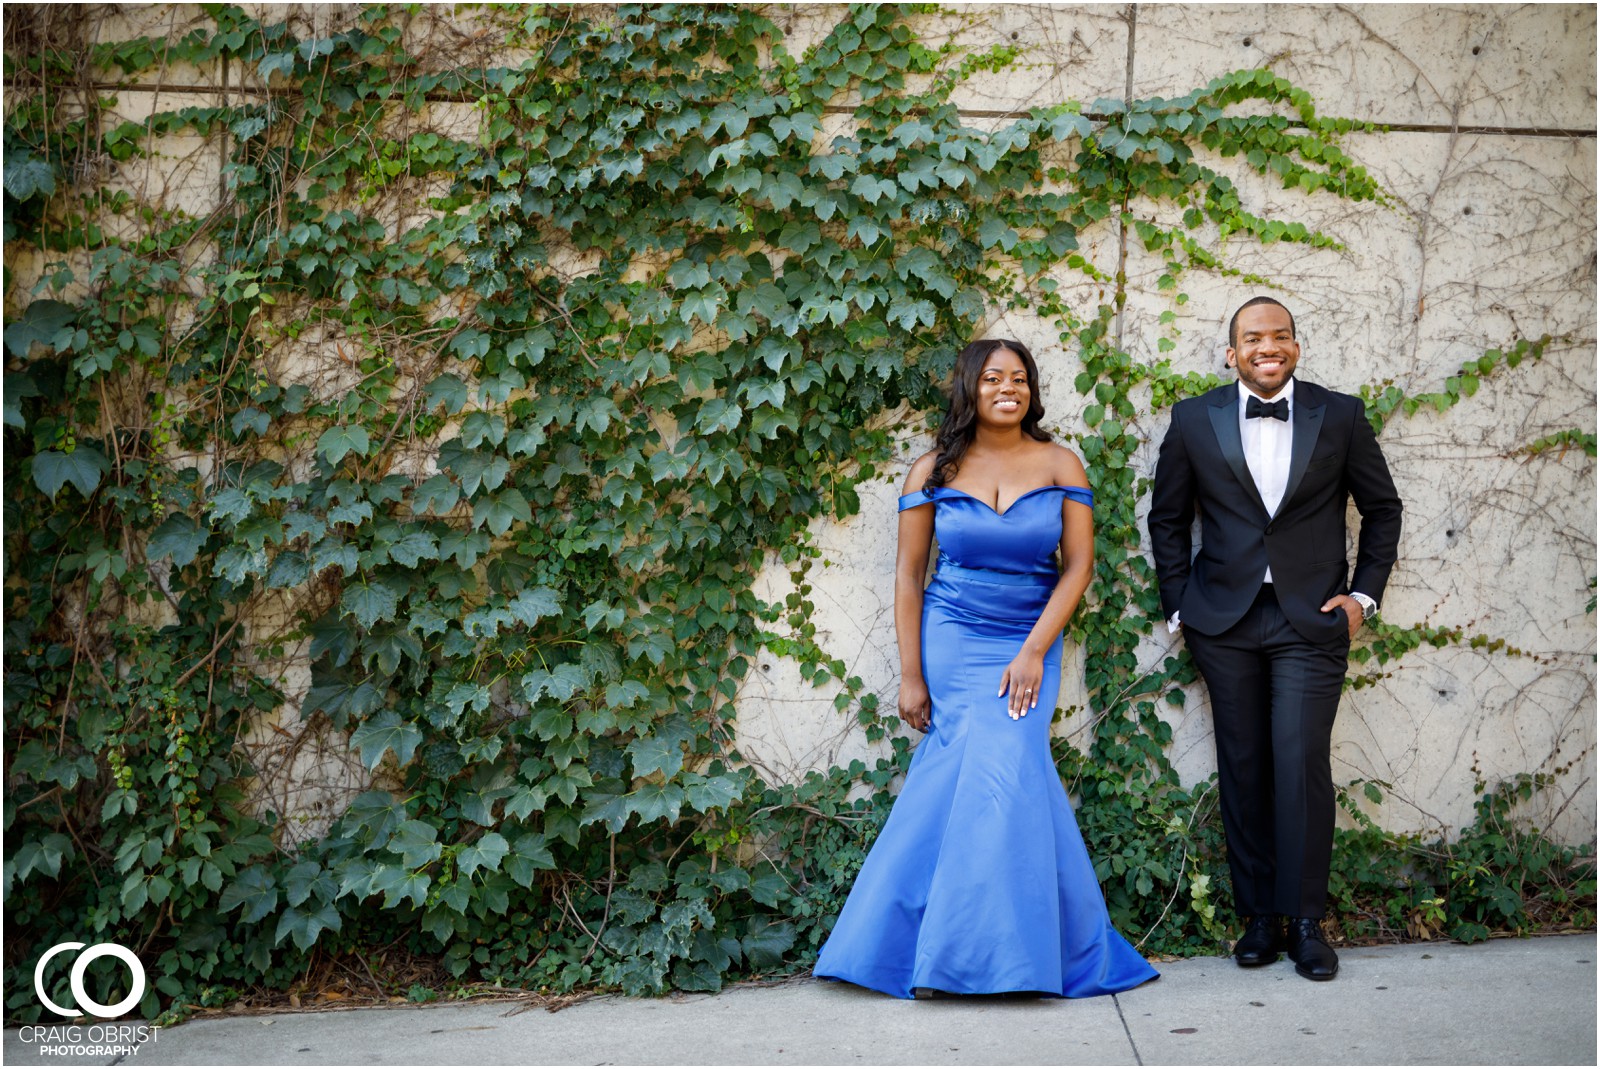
{"x":1307,"y":425}
{"x":1225,"y":422}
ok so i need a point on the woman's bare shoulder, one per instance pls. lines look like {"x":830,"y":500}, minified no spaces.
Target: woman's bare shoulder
{"x":921,"y":469}
{"x":1065,"y":467}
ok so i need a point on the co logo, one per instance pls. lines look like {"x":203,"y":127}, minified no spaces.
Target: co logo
{"x":89,"y":1005}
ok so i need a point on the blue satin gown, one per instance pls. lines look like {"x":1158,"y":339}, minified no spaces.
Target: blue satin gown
{"x":979,"y":882}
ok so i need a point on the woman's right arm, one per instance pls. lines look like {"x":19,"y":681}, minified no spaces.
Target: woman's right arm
{"x":910,"y":572}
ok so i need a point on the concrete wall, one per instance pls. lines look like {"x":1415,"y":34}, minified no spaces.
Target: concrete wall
{"x":1490,"y":159}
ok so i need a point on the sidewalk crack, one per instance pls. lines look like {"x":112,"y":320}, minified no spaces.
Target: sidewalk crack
{"x":1115,"y":1001}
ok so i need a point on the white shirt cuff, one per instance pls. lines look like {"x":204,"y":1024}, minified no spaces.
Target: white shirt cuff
{"x":1173,"y":624}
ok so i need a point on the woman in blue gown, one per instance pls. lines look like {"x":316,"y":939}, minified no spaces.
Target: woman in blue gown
{"x":979,"y":882}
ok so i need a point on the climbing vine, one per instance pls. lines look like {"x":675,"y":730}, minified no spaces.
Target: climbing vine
{"x":484,"y":391}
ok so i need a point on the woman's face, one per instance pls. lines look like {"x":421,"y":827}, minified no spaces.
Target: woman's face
{"x":1003,"y":393}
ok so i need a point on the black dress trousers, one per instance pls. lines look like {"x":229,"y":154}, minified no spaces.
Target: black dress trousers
{"x":1274,"y":695}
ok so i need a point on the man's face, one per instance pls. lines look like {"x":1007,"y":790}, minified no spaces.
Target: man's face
{"x":1267,"y":350}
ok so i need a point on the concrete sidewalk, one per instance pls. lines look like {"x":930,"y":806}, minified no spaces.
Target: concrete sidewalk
{"x":1504,"y":1002}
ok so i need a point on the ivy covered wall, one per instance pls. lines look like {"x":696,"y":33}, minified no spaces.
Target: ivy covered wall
{"x":446,"y":446}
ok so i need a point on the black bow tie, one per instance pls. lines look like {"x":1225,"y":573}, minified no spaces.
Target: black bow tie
{"x":1256,"y":408}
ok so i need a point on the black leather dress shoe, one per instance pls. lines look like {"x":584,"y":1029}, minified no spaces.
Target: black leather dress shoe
{"x":1313,"y":957}
{"x":1262,"y":939}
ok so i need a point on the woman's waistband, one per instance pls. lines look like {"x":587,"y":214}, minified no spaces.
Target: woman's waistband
{"x":951,"y":570}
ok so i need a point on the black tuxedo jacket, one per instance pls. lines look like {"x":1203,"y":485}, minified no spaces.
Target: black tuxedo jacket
{"x":1335,"y":457}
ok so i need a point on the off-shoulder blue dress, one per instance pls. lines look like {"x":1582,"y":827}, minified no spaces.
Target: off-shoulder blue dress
{"x":979,"y":882}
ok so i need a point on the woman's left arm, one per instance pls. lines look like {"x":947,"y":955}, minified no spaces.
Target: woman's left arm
{"x":1023,"y":675}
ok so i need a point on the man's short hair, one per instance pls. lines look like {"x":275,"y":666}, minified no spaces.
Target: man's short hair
{"x":1233,"y":324}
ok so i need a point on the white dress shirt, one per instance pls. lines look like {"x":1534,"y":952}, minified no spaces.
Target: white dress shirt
{"x":1268,"y":444}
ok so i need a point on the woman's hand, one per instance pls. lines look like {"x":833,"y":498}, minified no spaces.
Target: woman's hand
{"x":916,"y":707}
{"x":1021,"y":679}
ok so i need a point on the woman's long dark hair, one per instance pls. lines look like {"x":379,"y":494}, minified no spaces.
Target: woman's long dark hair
{"x":960,"y":425}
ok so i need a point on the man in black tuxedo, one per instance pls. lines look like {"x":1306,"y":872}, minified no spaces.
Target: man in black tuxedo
{"x":1268,"y":608}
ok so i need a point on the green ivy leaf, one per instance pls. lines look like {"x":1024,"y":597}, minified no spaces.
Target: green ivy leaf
{"x":626,"y":694}
{"x":656,"y":754}
{"x":449,"y":391}
{"x":461,"y":695}
{"x":873,"y":189}
{"x":41,"y":322}
{"x":308,"y":878}
{"x":768,"y":887}
{"x":232,"y":505}
{"x":178,"y":537}
{"x":782,"y":189}
{"x":17,"y":387}
{"x":611,"y":810}
{"x":27,"y":176}
{"x":477,"y":470}
{"x":413,"y":547}
{"x":451,"y":898}
{"x":436,"y":494}
{"x":696,"y":976}
{"x":338,"y":442}
{"x":766,"y":942}
{"x":83,"y":468}
{"x":565,"y":784}
{"x":370,"y":602}
{"x":342,"y":699}
{"x":384,"y":733}
{"x":729,"y":117}
{"x":907,"y":313}
{"x":486,"y":853}
{"x":657,"y":802}
{"x":250,"y":419}
{"x":531,"y":606}
{"x":416,"y":842}
{"x":499,"y":511}
{"x":289,"y":569}
{"x":531,"y":854}
{"x":560,"y":683}
{"x":332,"y":551}
{"x":705,"y":793}
{"x":254,"y":892}
{"x":236,"y":563}
{"x":800,"y":125}
{"x":465,"y":547}
{"x":718,"y":414}
{"x":398,"y":885}
{"x":40,"y":855}
{"x":994,"y":232}
{"x":969,"y":304}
